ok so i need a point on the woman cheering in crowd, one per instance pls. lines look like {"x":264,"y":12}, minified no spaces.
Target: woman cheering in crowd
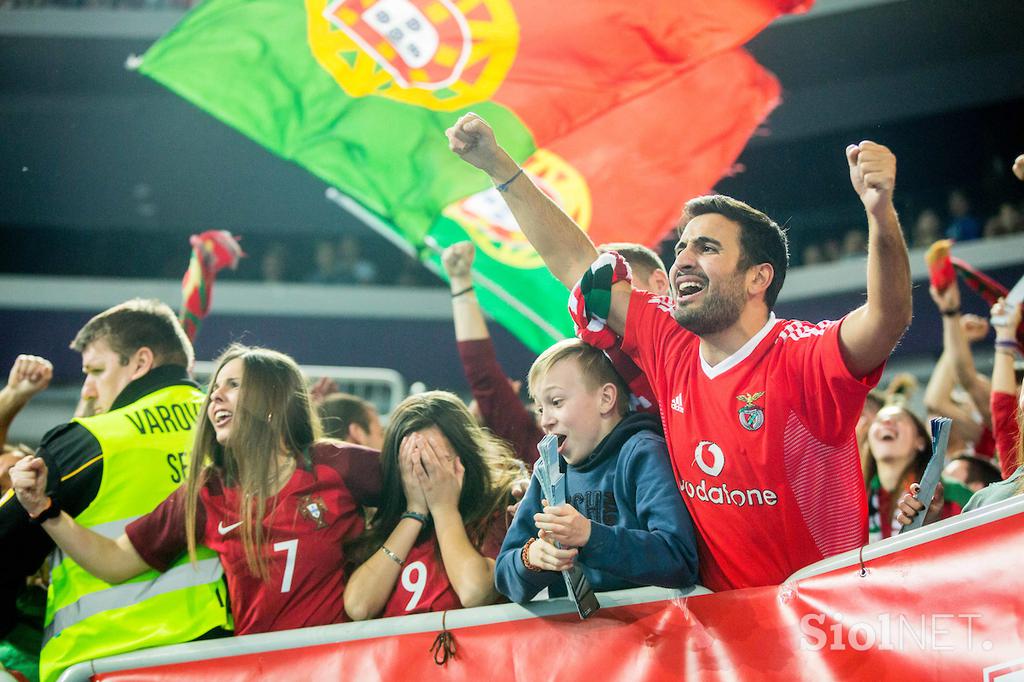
{"x":899,"y":447}
{"x":272,"y":501}
{"x":432,"y":543}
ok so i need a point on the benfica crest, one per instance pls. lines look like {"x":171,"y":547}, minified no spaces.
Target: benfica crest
{"x":314,"y":509}
{"x":439,"y":54}
{"x":488,"y":221}
{"x":751,"y":415}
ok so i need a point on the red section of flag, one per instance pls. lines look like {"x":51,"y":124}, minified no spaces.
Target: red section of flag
{"x":646,"y":158}
{"x":575,"y":61}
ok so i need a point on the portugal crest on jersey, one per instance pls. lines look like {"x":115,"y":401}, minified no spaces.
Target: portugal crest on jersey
{"x":751,"y":415}
{"x":314,"y":509}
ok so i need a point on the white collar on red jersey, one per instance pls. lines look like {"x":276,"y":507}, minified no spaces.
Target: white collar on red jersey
{"x":740,"y":355}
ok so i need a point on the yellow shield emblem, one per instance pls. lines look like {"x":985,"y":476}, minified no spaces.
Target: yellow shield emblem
{"x":438,"y":54}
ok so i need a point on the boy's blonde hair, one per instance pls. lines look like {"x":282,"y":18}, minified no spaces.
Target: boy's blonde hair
{"x":595,"y":367}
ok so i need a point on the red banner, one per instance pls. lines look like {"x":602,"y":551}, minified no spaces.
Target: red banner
{"x":948,"y":609}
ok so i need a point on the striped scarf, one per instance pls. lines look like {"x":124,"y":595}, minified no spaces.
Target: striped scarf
{"x":589,"y":303}
{"x":943,"y":267}
{"x":212,"y":251}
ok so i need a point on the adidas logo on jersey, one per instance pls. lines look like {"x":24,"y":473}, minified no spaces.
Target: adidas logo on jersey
{"x":677,"y":403}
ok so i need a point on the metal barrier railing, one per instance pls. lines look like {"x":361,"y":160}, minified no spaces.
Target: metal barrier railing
{"x":346,"y":632}
{"x":940,"y":529}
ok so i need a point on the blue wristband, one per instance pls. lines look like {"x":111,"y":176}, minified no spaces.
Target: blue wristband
{"x":422,"y":518}
{"x":503,"y":187}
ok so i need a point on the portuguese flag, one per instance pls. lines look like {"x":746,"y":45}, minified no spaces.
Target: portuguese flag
{"x":620,"y":109}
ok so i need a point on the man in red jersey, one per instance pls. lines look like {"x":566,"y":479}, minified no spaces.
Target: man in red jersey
{"x":759,"y":412}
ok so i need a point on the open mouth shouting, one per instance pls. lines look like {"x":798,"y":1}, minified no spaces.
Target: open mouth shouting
{"x":222,"y":417}
{"x":886,"y":435}
{"x":561,"y":442}
{"x":689,"y":288}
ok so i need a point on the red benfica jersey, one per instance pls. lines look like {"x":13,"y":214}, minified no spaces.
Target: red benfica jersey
{"x":423,"y":584}
{"x":305,"y":527}
{"x":762,"y":444}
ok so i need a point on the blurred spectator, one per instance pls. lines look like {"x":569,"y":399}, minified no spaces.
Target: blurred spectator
{"x":927,"y":229}
{"x":325,"y":264}
{"x":812,"y":255}
{"x":899,"y":447}
{"x":410,"y":273}
{"x":1006,"y":388}
{"x":495,"y":395}
{"x":855,"y":244}
{"x":962,"y":225}
{"x":1007,"y":221}
{"x":831,"y":250}
{"x":29,"y":375}
{"x":973,"y":472}
{"x":274,"y":264}
{"x":872,"y":404}
{"x":352,"y":268}
{"x":649,"y":273}
{"x":348,"y":417}
{"x":968,"y":409}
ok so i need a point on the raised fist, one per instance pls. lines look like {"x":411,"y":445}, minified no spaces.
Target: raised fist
{"x":872,"y":173}
{"x":457,"y":259}
{"x":29,"y":375}
{"x":473,"y":140}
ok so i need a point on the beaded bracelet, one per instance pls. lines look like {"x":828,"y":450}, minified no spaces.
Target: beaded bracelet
{"x":526,"y":557}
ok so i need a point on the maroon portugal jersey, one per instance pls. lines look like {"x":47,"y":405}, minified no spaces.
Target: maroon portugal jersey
{"x":305,"y":528}
{"x":423,"y":584}
{"x":762,"y":444}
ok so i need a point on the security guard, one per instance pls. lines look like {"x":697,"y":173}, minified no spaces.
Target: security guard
{"x":106,"y":470}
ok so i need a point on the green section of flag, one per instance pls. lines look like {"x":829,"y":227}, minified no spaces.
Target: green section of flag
{"x":248,"y":63}
{"x":531,"y":304}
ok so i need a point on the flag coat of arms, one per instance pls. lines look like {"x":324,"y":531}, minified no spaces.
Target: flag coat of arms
{"x":620,"y":110}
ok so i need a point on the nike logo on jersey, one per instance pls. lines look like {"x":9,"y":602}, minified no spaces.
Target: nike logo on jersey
{"x":224,"y":530}
{"x":677,"y":403}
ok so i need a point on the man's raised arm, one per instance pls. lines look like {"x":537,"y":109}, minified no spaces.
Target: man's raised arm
{"x":566,"y":250}
{"x":871,"y":332}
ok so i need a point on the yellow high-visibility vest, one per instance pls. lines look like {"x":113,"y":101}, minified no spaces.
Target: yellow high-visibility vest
{"x":145,"y":448}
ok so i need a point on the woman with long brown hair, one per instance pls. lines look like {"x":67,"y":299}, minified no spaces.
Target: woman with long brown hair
{"x":276,"y":503}
{"x":432,"y":543}
{"x":899,"y":448}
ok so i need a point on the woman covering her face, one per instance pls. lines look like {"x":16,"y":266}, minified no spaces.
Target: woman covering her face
{"x":432,"y":543}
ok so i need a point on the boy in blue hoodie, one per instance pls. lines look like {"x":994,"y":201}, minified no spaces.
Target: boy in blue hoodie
{"x":624,"y":520}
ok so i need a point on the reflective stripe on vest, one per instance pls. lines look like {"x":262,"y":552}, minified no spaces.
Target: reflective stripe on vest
{"x":112,"y":530}
{"x":126,"y":594}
